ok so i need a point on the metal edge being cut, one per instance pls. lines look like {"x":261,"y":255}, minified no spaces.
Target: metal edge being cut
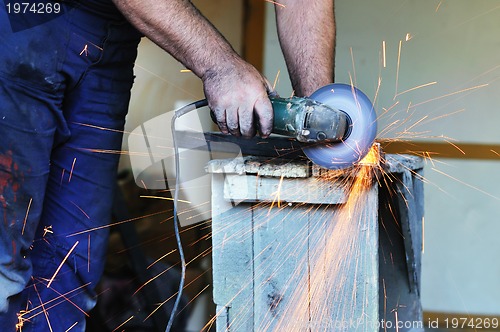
{"x":363,"y":122}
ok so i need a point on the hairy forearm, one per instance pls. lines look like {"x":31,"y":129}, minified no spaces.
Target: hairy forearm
{"x":180,"y":29}
{"x":236,"y":92}
{"x":306,"y":31}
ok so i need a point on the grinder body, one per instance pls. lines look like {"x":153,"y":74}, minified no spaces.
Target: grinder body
{"x":337,"y":124}
{"x":308,"y":121}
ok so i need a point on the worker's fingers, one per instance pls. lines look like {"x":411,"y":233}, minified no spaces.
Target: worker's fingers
{"x":220,"y":117}
{"x":239,"y":96}
{"x":232,"y":120}
{"x":264,"y":114}
{"x":247,"y":124}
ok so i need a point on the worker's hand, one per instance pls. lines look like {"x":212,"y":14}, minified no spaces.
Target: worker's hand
{"x":238,"y":95}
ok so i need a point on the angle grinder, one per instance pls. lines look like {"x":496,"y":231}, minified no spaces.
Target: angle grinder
{"x":337,"y":124}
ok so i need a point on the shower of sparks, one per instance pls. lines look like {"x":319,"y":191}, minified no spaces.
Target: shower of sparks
{"x":62,"y":263}
{"x":44,"y":307}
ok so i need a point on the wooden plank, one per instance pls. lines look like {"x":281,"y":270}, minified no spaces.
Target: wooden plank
{"x":281,"y":271}
{"x":411,"y":214}
{"x":232,"y":239}
{"x":401,"y":210}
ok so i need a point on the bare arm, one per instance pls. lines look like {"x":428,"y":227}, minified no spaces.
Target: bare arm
{"x":306,"y":30}
{"x":236,"y":91}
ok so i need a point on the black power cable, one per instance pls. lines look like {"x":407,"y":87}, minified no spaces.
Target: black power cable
{"x":178,"y":113}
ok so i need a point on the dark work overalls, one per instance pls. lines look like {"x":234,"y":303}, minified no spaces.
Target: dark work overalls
{"x":65,"y":83}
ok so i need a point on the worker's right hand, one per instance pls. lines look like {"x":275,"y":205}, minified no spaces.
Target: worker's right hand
{"x":238,"y":95}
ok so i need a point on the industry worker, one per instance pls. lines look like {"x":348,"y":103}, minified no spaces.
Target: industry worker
{"x":66,"y":71}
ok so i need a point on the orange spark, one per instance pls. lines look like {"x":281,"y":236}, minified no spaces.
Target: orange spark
{"x":60,"y":265}
{"x":397,"y":68}
{"x":159,"y":259}
{"x":276,"y":3}
{"x":439,"y":5}
{"x":43,"y":307}
{"x":415,"y":88}
{"x":85,"y":50}
{"x":276,"y":79}
{"x":72,"y":326}
{"x":451,"y":94}
{"x":115,"y":223}
{"x":26,"y":217}
{"x":72,"y":168}
{"x":81,"y":210}
{"x":455,"y":146}
{"x":466,"y":184}
{"x":164,"y":198}
{"x":276,"y":198}
{"x":125,"y":322}
{"x":47,"y":229}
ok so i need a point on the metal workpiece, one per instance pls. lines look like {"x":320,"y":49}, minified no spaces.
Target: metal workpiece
{"x":309,"y":121}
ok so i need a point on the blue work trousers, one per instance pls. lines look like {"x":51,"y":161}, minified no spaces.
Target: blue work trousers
{"x":64,"y":93}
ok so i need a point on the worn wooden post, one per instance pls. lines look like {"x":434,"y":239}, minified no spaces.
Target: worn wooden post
{"x":296,"y":248}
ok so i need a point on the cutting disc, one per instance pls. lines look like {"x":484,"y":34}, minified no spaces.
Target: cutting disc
{"x":360,"y":135}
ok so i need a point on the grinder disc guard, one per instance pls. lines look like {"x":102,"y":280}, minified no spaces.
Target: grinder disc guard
{"x":360,"y":135}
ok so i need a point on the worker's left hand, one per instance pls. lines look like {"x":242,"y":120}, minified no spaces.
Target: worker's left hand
{"x":238,"y":95}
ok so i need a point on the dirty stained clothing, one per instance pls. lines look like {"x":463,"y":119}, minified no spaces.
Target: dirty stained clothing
{"x":65,"y":82}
